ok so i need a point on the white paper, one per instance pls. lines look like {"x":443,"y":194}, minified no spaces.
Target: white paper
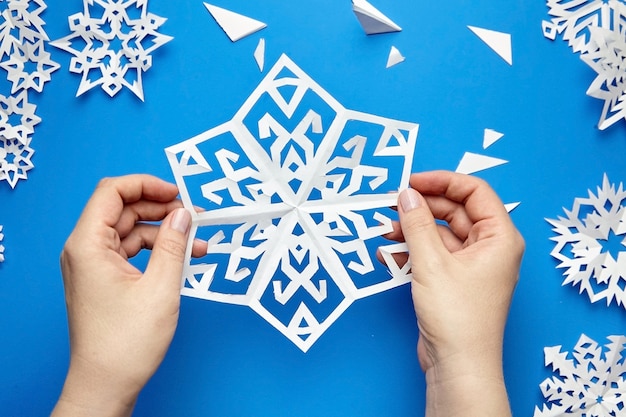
{"x":473,"y":162}
{"x":500,"y":42}
{"x":590,"y":381}
{"x":12,"y":108}
{"x":96,"y":55}
{"x":581,"y":244}
{"x":291,"y":205}
{"x":235,"y":25}
{"x":595,"y":29}
{"x":511,"y":206}
{"x":372,"y":20}
{"x":259,"y":54}
{"x":395,"y":57}
{"x":490,"y":137}
{"x":1,"y":245}
{"x":15,"y":160}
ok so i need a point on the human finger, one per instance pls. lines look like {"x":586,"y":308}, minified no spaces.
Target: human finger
{"x":144,"y":210}
{"x":143,"y":236}
{"x":452,"y":213}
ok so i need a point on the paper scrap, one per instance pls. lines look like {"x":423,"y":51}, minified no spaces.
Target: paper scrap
{"x":372,"y":20}
{"x":500,"y":42}
{"x":591,"y":244}
{"x":110,"y":49}
{"x":472,"y":162}
{"x":491,"y":136}
{"x":1,"y":245}
{"x":590,"y":381}
{"x":293,"y":214}
{"x":395,"y":57}
{"x":259,"y":54}
{"x":235,"y":25}
{"x":596,"y":30}
{"x":511,"y":206}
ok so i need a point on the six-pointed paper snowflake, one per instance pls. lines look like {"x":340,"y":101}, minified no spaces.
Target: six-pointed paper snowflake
{"x":15,"y":160}
{"x":112,"y":42}
{"x":591,"y":382}
{"x":292,"y":212}
{"x":591,"y":244}
{"x":597,"y":30}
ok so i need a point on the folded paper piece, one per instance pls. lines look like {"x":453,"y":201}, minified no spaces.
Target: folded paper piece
{"x":590,"y":382}
{"x":259,"y":54}
{"x":371,"y":19}
{"x":235,"y":25}
{"x":491,"y":137}
{"x":498,"y":41}
{"x":591,"y":244}
{"x":1,"y":245}
{"x":473,"y":162}
{"x":112,"y":43}
{"x":395,"y":57}
{"x":595,"y":29}
{"x":292,"y":212}
{"x":511,"y":206}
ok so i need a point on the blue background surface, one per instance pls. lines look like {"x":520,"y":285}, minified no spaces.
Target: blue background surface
{"x":227,"y":361}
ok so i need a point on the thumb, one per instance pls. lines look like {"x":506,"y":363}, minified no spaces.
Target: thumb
{"x":170,"y":245}
{"x":426,"y":249}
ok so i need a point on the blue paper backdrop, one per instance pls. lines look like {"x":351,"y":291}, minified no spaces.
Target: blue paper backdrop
{"x":227,"y":361}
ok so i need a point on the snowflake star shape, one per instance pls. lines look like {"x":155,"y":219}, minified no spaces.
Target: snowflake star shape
{"x":117,"y":38}
{"x":17,"y":117}
{"x":15,"y":160}
{"x":21,"y":18}
{"x":591,"y":384}
{"x":596,"y":30}
{"x":291,"y":212}
{"x":583,"y":245}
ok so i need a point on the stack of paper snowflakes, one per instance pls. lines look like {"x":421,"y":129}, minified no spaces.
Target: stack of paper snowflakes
{"x":597,"y":30}
{"x":28,"y":67}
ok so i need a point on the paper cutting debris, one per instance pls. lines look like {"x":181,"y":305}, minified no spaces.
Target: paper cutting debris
{"x":110,"y":49}
{"x":259,"y":54}
{"x":395,"y":57}
{"x":372,"y":20}
{"x":235,"y":25}
{"x":1,"y":245}
{"x":591,"y":244}
{"x":596,"y":30}
{"x":498,"y":41}
{"x":491,"y":136}
{"x":511,"y":206}
{"x":589,"y":382}
{"x":473,"y":162}
{"x":296,"y":191}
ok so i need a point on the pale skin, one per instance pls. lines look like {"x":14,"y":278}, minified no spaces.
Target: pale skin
{"x":122,"y":321}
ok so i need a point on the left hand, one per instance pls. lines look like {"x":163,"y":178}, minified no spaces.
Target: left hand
{"x":121,"y":320}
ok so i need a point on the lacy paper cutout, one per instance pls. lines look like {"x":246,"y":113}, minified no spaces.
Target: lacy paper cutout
{"x":596,"y":29}
{"x":15,"y":160}
{"x":591,"y":244}
{"x":292,"y":210}
{"x":114,"y":44}
{"x":590,"y":382}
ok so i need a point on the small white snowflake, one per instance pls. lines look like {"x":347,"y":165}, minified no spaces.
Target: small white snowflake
{"x":17,"y":117}
{"x":15,"y":160}
{"x":583,"y":244}
{"x":591,"y":382}
{"x":115,"y":40}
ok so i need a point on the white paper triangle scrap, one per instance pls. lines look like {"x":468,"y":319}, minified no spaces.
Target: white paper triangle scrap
{"x":491,"y":137}
{"x":511,"y":206}
{"x":500,"y":42}
{"x":472,"y":162}
{"x":259,"y":54}
{"x":372,"y":20}
{"x":235,"y":25}
{"x":395,"y":57}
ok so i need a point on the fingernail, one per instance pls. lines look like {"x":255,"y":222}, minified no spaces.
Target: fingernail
{"x":181,"y":220}
{"x":408,"y":200}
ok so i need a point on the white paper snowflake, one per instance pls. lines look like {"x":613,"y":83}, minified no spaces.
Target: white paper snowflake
{"x":15,"y":160}
{"x":17,"y":117}
{"x":292,"y":212}
{"x":590,"y":382}
{"x":591,"y":244}
{"x":112,"y":42}
{"x":1,"y":245}
{"x":596,"y":29}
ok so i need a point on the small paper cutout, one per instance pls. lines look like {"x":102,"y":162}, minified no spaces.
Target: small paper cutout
{"x":235,"y":25}
{"x":491,"y":136}
{"x":395,"y":57}
{"x":259,"y":54}
{"x":15,"y":160}
{"x":498,"y":41}
{"x":292,"y":214}
{"x":590,"y":382}
{"x":372,"y":20}
{"x":511,"y":206}
{"x":591,"y":244}
{"x":12,"y":108}
{"x":114,"y":50}
{"x":1,"y":245}
{"x":596,"y":30}
{"x":472,"y":162}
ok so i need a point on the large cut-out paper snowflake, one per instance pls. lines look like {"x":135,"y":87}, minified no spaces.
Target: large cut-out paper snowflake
{"x":591,"y":244}
{"x":597,"y":30}
{"x":112,"y":42}
{"x":590,"y":382}
{"x":292,"y":213}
